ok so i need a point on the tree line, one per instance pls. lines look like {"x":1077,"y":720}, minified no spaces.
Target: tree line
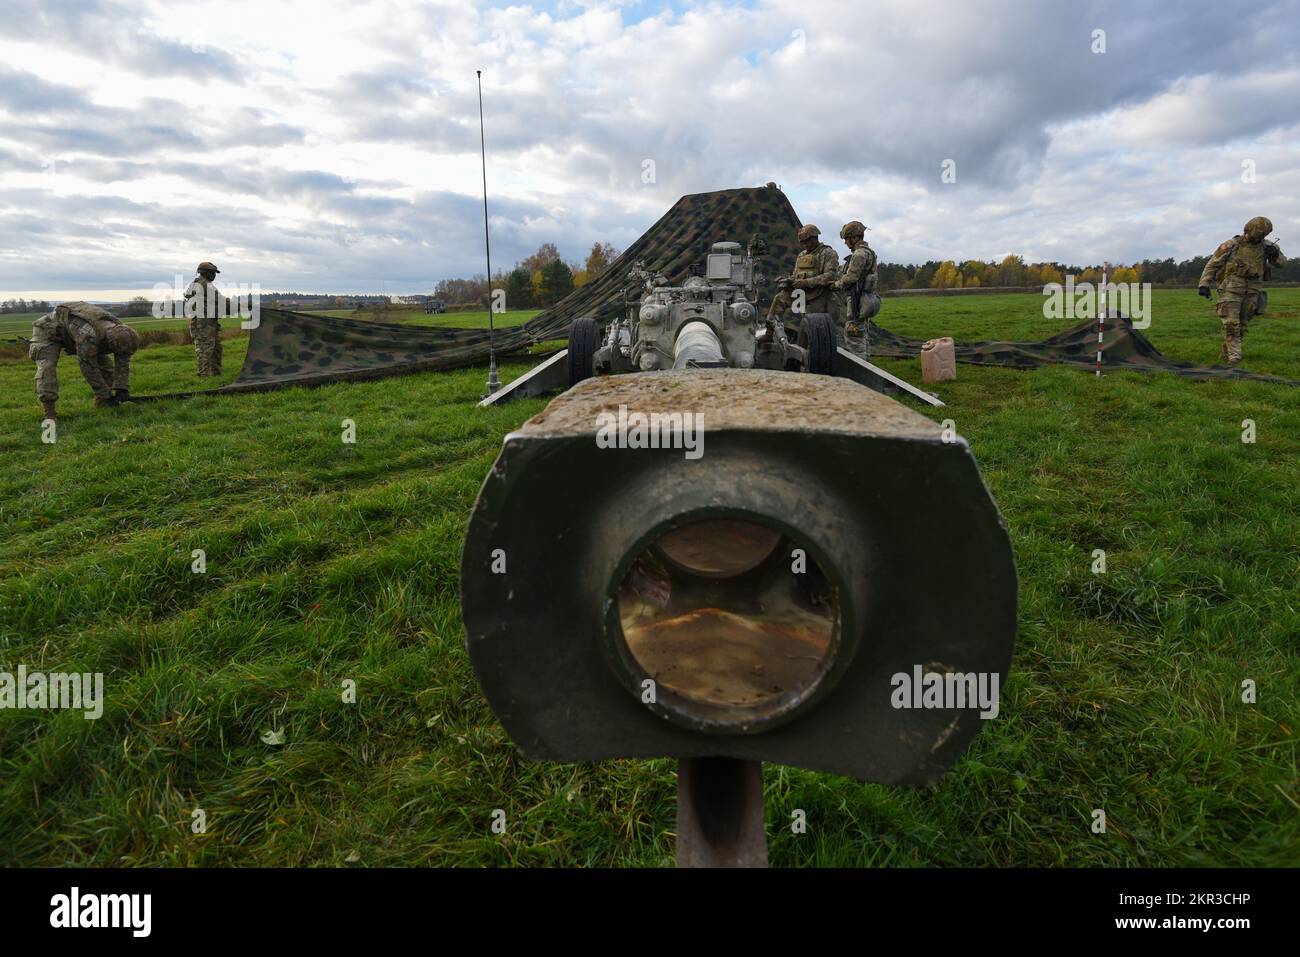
{"x":539,"y":280}
{"x":10,"y":306}
{"x":543,"y":279}
{"x":1014,"y":271}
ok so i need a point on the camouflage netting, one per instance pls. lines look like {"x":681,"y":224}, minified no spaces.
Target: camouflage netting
{"x":1123,"y":348}
{"x":290,"y":348}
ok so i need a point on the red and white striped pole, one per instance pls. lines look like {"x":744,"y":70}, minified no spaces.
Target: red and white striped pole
{"x":1102,"y":310}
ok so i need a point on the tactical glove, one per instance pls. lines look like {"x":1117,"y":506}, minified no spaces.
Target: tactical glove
{"x":1204,"y":291}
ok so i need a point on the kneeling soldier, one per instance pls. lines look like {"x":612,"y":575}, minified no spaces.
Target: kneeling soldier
{"x":102,"y":344}
{"x":815,"y":270}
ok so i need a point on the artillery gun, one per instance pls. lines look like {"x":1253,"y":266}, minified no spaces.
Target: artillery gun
{"x":760,"y":601}
{"x":710,"y":321}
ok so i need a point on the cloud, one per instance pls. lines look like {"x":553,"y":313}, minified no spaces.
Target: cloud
{"x":334,"y":146}
{"x":119,"y":34}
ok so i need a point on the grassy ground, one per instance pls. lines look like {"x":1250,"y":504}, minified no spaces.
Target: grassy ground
{"x":328,"y":562}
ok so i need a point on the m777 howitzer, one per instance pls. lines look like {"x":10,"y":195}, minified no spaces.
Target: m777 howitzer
{"x":710,"y":321}
{"x":728,"y":558}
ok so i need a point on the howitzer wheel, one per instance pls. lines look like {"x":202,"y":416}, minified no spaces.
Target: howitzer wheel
{"x":817,"y":337}
{"x":584,"y":339}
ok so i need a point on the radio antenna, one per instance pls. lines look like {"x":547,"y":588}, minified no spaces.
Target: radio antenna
{"x":493,"y":382}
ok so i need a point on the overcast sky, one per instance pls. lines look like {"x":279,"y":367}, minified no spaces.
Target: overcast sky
{"x":333,"y":146}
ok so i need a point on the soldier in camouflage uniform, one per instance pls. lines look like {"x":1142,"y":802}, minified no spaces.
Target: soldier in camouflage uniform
{"x":857,"y":283}
{"x":204,"y":307}
{"x":815,"y":272}
{"x":1239,"y":266}
{"x":102,"y":344}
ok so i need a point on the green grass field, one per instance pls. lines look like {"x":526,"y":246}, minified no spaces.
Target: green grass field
{"x":327,"y":562}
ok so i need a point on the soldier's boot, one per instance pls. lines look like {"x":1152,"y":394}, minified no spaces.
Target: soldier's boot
{"x":104,"y":400}
{"x":122,"y":395}
{"x":48,"y":407}
{"x":1231,"y":341}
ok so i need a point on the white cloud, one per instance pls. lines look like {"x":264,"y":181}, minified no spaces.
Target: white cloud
{"x":332,"y":145}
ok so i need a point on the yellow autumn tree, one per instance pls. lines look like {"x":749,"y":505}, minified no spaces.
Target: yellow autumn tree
{"x":946,"y":276}
{"x":973,"y":271}
{"x":1011,"y":271}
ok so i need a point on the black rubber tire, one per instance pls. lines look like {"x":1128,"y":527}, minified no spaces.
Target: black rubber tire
{"x":817,"y":337}
{"x":584,"y":339}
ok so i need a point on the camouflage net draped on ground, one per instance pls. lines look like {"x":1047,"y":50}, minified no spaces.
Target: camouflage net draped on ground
{"x":290,"y":348}
{"x":1122,"y":348}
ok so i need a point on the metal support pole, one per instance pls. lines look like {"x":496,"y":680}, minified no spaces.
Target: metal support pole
{"x":494,"y":381}
{"x":720,"y":813}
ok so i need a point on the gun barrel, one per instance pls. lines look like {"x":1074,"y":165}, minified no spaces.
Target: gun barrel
{"x":696,"y":343}
{"x":659,"y":566}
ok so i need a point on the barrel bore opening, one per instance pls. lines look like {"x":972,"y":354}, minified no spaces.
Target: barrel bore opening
{"x":734,"y":621}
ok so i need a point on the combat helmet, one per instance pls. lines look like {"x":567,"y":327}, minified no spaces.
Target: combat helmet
{"x":122,"y":339}
{"x":808,"y":232}
{"x":1262,"y":223}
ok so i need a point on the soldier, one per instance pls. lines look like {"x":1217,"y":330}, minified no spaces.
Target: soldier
{"x":1239,"y":265}
{"x":204,"y":307}
{"x":102,"y":344}
{"x":815,"y":272}
{"x":857,"y":281}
